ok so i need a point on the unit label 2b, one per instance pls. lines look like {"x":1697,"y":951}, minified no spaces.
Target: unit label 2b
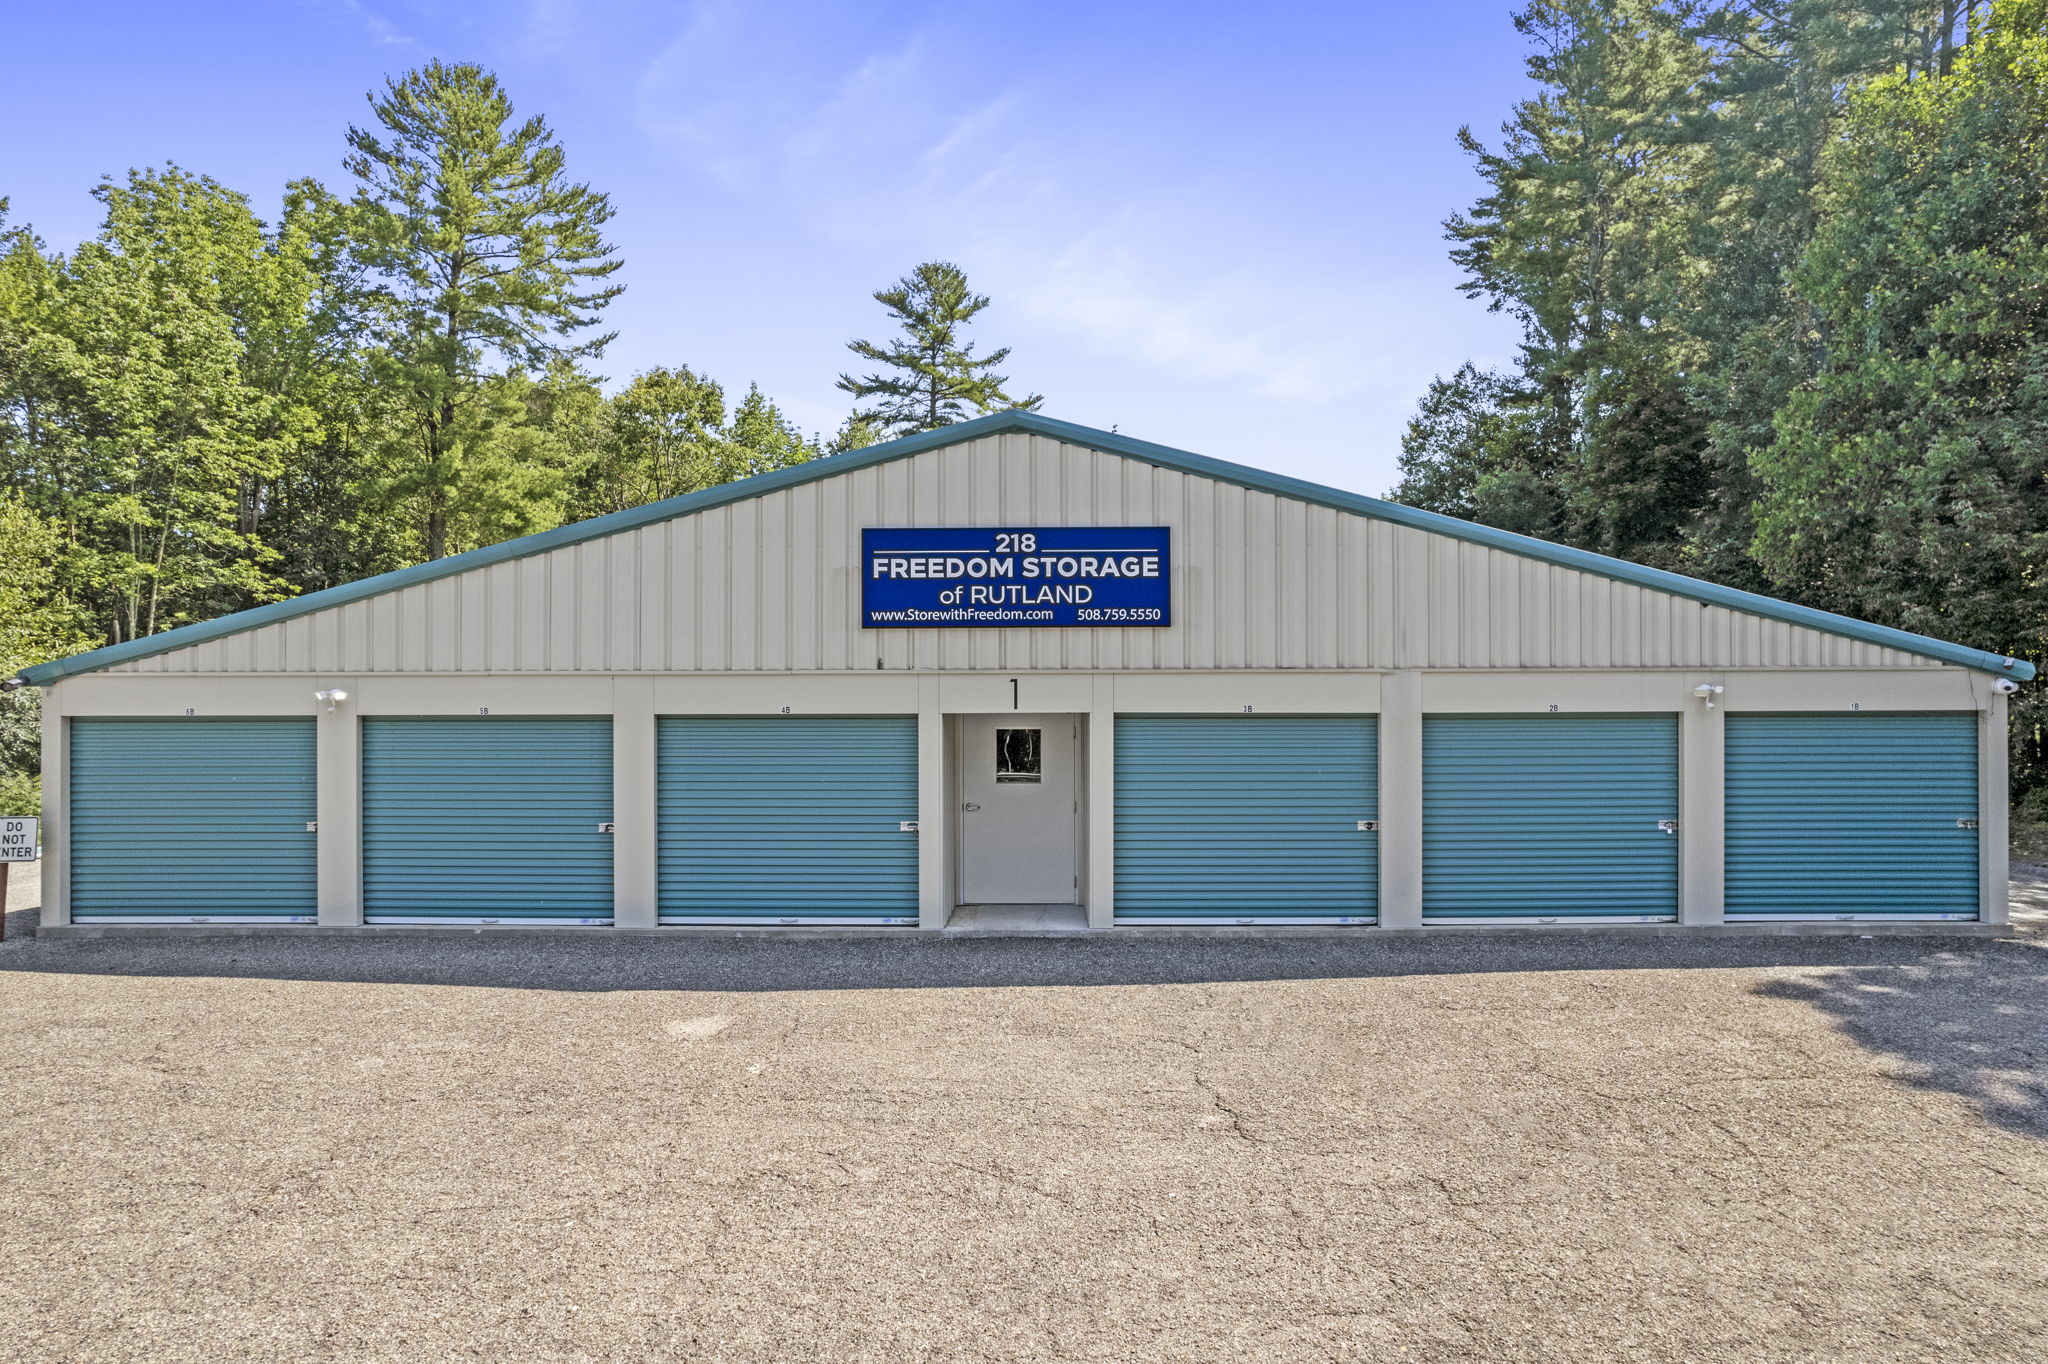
{"x":1016,"y":576}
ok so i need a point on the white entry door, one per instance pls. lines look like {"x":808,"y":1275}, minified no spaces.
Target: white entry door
{"x":1019,"y":817}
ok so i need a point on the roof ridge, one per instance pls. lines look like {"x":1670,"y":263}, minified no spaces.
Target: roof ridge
{"x":1280,"y":485}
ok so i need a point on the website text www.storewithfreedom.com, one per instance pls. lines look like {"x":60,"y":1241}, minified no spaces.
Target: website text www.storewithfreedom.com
{"x":961,"y":614}
{"x":1059,"y":575}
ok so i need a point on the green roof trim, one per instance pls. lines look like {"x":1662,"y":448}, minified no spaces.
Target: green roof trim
{"x":998,"y":423}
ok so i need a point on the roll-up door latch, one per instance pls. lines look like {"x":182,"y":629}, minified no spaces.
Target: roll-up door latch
{"x":606,"y":827}
{"x":1966,"y":824}
{"x":1368,"y":826}
{"x":906,"y":826}
{"x":1667,"y":826}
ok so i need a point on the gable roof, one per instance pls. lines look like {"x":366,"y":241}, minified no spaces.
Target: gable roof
{"x":997,"y":423}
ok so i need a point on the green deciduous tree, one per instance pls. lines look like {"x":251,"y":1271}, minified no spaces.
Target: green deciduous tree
{"x":1776,"y":266}
{"x":153,"y":402}
{"x":134,"y":424}
{"x":1644,"y":214}
{"x":36,"y":624}
{"x":479,"y":249}
{"x":932,"y":377}
{"x":663,"y":438}
{"x":322,"y":510}
{"x":764,"y":439}
{"x":1908,"y":480}
{"x":855,"y":433}
{"x":668,"y":433}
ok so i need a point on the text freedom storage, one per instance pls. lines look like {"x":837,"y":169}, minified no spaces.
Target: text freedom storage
{"x":1063,"y":575}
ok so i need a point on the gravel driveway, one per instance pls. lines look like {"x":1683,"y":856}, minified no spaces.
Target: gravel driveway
{"x":1489,"y":1148}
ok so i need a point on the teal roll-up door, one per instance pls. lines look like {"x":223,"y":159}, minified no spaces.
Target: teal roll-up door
{"x":1246,"y":819}
{"x":788,"y":819}
{"x":192,"y":821}
{"x":476,"y":820}
{"x":1549,"y":818}
{"x":1852,"y":816}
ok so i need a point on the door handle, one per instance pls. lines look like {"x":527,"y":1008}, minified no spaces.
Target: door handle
{"x":970,"y":806}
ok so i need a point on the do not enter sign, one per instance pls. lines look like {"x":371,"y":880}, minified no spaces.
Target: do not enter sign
{"x":17,"y":839}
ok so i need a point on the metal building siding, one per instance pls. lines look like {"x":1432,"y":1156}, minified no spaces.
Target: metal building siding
{"x":1246,"y":818}
{"x":1536,"y":817}
{"x":481,"y":819}
{"x":1867,"y":815}
{"x":1260,"y":581}
{"x":192,"y":819}
{"x":787,"y":819}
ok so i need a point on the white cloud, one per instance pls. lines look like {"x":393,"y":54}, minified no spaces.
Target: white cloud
{"x":902,"y":144}
{"x":1092,"y":235}
{"x":371,"y":22}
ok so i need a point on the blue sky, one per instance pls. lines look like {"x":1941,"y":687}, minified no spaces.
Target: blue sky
{"x":1211,"y":225}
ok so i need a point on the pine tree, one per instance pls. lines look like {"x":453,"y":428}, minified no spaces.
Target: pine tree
{"x":480,"y":248}
{"x":937,"y":379}
{"x":1584,"y":236}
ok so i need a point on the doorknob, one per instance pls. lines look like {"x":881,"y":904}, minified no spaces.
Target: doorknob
{"x":970,"y":806}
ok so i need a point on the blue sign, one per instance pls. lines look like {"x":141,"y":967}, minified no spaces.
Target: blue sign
{"x":1053,"y":575}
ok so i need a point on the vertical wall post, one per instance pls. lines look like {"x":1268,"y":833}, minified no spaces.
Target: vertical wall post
{"x":636,"y":891}
{"x":934,"y":883}
{"x":1702,"y":809}
{"x":56,"y":828}
{"x":1400,"y":812}
{"x":1993,"y":813}
{"x":1101,"y":803}
{"x":338,"y":805}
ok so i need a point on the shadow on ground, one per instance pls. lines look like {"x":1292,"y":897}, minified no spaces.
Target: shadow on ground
{"x":1973,"y":1024}
{"x":1965,"y":1022}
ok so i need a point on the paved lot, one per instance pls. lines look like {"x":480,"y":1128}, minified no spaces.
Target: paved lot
{"x":1581,"y":1150}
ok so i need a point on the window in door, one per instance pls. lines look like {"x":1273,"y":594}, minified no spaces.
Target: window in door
{"x":1017,"y":755}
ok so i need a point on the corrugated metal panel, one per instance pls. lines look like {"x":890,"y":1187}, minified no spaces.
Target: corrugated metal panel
{"x":794,"y":819}
{"x":1246,"y":819}
{"x":1260,"y":582}
{"x":1850,"y":816}
{"x":1540,"y":817}
{"x":487,"y":820}
{"x":192,"y":821}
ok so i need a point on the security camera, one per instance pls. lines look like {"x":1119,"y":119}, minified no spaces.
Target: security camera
{"x":2005,"y":686}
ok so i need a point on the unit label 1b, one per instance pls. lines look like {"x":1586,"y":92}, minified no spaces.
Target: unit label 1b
{"x":1049,"y":575}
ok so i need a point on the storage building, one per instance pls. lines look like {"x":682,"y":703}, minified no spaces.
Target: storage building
{"x":1018,"y":671}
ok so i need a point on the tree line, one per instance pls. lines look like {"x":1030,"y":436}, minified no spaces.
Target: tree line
{"x":1780,"y":275}
{"x":201,"y":411}
{"x":1777,"y":265}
